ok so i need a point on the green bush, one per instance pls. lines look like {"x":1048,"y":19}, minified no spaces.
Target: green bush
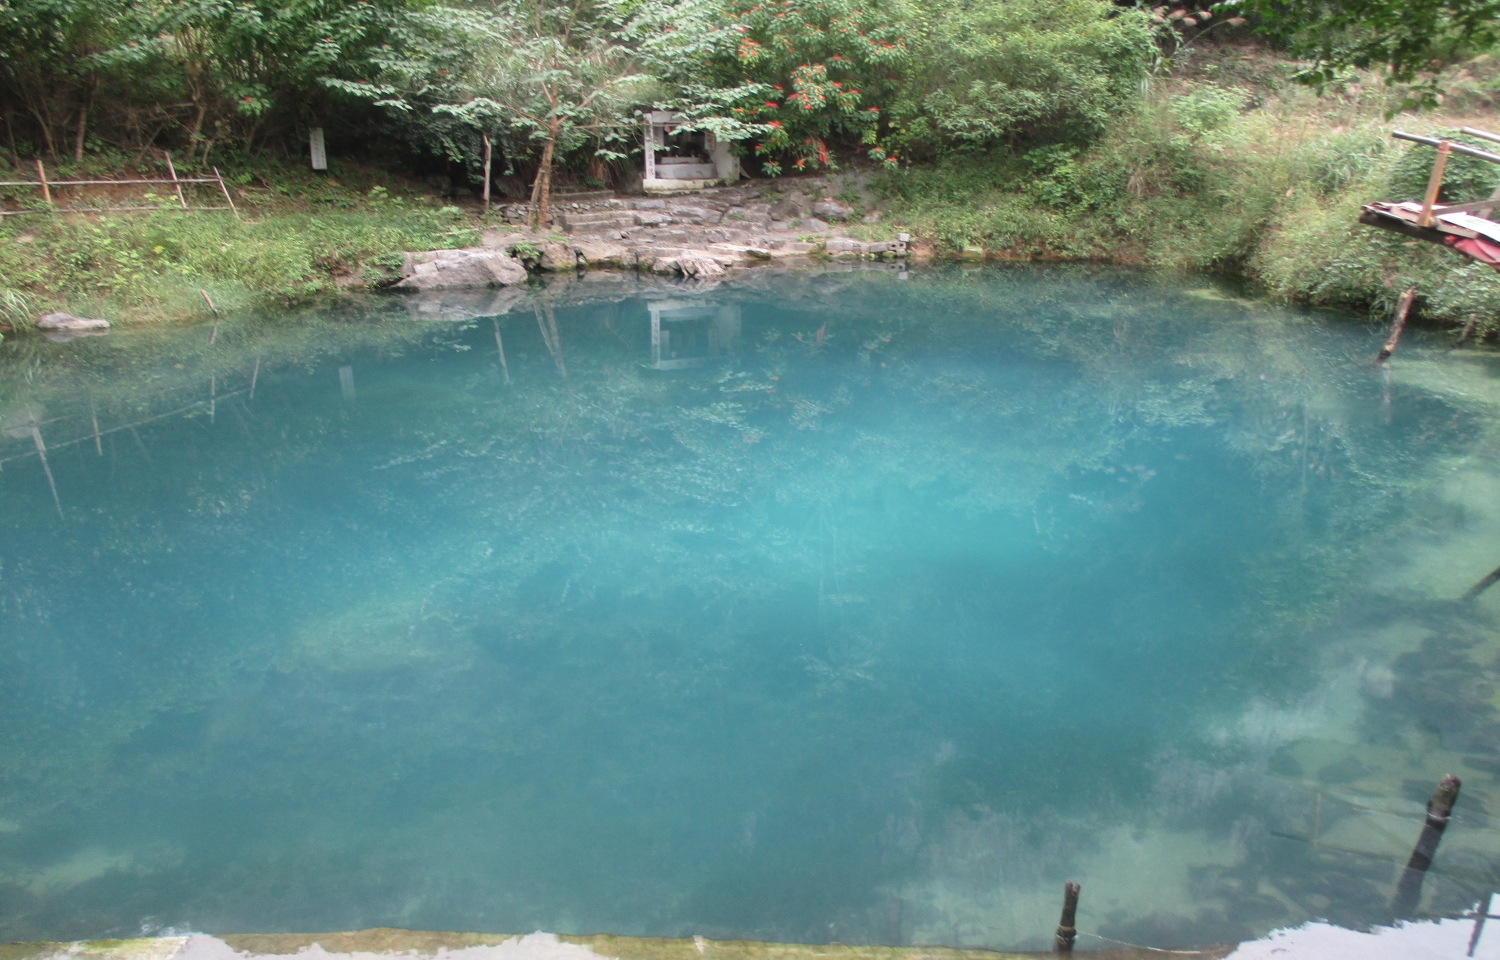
{"x":1020,"y":73}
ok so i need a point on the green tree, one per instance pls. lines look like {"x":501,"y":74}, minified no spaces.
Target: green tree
{"x":1022,"y":72}
{"x":1414,"y":40}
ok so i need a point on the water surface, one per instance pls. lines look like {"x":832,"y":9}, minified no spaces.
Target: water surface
{"x":826,"y":606}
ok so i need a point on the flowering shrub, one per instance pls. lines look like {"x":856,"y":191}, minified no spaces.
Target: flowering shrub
{"x":795,"y":77}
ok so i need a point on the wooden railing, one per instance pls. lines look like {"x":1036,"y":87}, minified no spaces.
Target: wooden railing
{"x":46,"y":187}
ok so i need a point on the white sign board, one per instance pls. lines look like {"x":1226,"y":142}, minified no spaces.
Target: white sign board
{"x":315,"y":144}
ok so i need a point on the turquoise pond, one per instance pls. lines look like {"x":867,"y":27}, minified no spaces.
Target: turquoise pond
{"x":829,"y":605}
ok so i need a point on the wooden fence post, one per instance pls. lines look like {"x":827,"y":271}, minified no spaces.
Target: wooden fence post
{"x":41,"y":172}
{"x":226,"y":193}
{"x":173,"y":171}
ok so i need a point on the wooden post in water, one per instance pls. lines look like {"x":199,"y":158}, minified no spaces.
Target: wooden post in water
{"x":1403,"y":307}
{"x":1067,"y":933}
{"x":1489,"y":580}
{"x":1409,"y":887}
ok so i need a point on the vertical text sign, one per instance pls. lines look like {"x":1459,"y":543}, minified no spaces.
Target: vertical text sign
{"x":315,"y":144}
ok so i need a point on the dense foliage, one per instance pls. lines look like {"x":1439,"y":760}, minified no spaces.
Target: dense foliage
{"x":794,"y":84}
{"x":1415,"y":40}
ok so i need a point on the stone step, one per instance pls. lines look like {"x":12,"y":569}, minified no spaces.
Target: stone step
{"x":583,"y":196}
{"x":594,"y":220}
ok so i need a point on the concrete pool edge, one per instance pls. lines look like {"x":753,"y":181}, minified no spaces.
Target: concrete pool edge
{"x":388,"y":941}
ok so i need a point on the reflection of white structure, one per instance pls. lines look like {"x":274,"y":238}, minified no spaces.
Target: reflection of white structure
{"x":684,"y":333}
{"x":689,"y":160}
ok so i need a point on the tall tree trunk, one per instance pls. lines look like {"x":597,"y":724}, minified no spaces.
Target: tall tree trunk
{"x":46,"y":128}
{"x":545,"y":176}
{"x":83,"y":119}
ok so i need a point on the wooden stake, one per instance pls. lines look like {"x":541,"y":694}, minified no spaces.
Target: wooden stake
{"x":1067,"y":933}
{"x":41,"y":172}
{"x":1434,"y":183}
{"x":486,"y":138}
{"x":173,"y":171}
{"x":1439,"y":808}
{"x":1490,"y":580}
{"x":226,"y":193}
{"x":254,"y":374}
{"x":1403,"y":305}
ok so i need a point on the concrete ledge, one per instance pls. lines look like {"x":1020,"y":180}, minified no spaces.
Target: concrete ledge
{"x":387,"y":941}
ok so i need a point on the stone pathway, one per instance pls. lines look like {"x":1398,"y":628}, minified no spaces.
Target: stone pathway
{"x":695,"y":235}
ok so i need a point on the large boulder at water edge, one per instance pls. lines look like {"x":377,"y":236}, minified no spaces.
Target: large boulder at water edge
{"x":469,"y":267}
{"x":693,"y":264}
{"x":71,"y":324}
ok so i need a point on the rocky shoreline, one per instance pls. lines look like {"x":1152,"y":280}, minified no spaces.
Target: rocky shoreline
{"x":696,"y":236}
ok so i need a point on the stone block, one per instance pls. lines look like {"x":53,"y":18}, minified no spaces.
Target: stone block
{"x":468,"y":267}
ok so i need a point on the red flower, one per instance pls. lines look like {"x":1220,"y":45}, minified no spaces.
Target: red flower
{"x":771,"y":104}
{"x":774,"y":123}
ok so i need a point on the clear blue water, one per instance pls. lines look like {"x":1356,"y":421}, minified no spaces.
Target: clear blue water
{"x":858,"y":609}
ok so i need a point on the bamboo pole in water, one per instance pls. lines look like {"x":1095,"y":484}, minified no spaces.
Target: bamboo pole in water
{"x":1403,"y":307}
{"x":1439,"y":808}
{"x":1067,"y":932}
{"x":1489,"y":580}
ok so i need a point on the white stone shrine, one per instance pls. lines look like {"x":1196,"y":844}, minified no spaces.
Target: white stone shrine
{"x":681,"y":161}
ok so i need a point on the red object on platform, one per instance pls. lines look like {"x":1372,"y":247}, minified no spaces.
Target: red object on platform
{"x":1481,"y":249}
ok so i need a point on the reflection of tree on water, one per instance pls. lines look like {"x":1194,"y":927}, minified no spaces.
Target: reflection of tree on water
{"x":765,"y":501}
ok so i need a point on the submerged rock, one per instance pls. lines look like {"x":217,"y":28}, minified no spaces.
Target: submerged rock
{"x":468,"y":267}
{"x":71,"y":324}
